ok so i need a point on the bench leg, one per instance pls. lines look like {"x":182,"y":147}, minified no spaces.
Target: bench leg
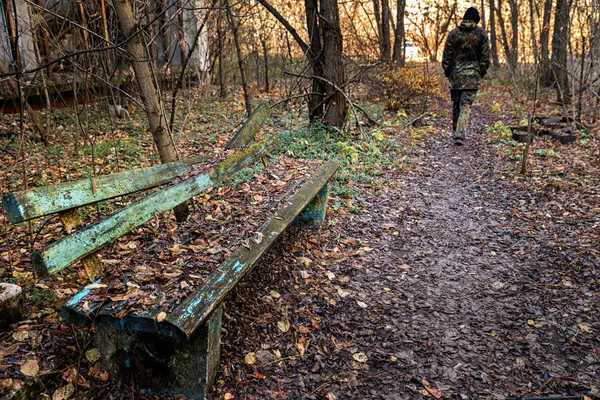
{"x":160,"y":366}
{"x":314,"y":213}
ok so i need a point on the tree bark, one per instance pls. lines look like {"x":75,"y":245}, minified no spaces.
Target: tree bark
{"x":336,"y":107}
{"x":377,"y":12}
{"x":534,"y":44}
{"x":560,"y":40}
{"x":399,"y":53}
{"x":238,"y":49}
{"x":149,"y":94}
{"x":546,"y":78}
{"x":493,"y":36}
{"x":385,"y":30}
{"x":514,"y":42}
{"x":315,"y":101}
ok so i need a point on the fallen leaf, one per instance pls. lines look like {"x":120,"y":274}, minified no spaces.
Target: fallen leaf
{"x":304,"y":260}
{"x":64,"y":392}
{"x":497,"y":285}
{"x":531,"y":322}
{"x":284,"y":325}
{"x":6,"y":383}
{"x":161,"y":316}
{"x":10,"y":350}
{"x":585,"y":328}
{"x":97,"y":372}
{"x":362,"y":304}
{"x":92,"y":355}
{"x":343,"y":293}
{"x":275,"y":294}
{"x":437,"y":393}
{"x":30,"y":368}
{"x":93,"y":286}
{"x":304,"y":274}
{"x":360,"y":357}
{"x":250,"y":358}
{"x":303,"y":329}
{"x":20,"y":336}
{"x":330,"y":275}
{"x":228,"y":396}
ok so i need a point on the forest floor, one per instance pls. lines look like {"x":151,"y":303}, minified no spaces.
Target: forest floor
{"x":448,"y":275}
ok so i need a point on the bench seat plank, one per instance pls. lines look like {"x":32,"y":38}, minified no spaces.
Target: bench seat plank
{"x":79,"y":309}
{"x":191,"y":314}
{"x":71,"y":248}
{"x":39,"y":202}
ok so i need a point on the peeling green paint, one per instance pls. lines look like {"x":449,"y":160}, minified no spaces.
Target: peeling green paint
{"x":34,"y":203}
{"x":73,"y":247}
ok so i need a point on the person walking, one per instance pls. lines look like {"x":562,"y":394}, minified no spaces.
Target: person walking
{"x":465,"y":62}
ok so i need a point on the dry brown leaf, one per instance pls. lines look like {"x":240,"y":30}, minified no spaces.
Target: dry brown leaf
{"x":360,"y":357}
{"x":21,"y":336}
{"x":435,"y":392}
{"x":92,"y":355}
{"x":30,"y":368}
{"x":64,"y":392}
{"x":305,"y":261}
{"x":228,"y":396}
{"x":161,"y":316}
{"x":250,"y":358}
{"x":284,"y":325}
{"x":10,"y":350}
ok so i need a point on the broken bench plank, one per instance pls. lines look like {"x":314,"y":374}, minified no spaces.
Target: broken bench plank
{"x":39,"y":202}
{"x":71,"y":248}
{"x":191,"y":314}
{"x":246,"y":134}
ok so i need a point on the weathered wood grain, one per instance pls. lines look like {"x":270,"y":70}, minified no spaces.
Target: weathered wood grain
{"x":34,"y":203}
{"x":192,"y":313}
{"x":248,"y":131}
{"x":71,"y":248}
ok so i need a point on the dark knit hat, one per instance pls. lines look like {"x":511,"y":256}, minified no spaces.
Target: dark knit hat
{"x":472,"y":15}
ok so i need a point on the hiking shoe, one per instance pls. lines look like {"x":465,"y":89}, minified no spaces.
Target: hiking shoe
{"x":458,"y":142}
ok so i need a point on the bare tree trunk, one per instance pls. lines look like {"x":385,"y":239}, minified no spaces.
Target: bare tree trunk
{"x":493,"y":36}
{"x":150,"y":98}
{"x":315,"y":100}
{"x":385,"y":30}
{"x":399,"y":53}
{"x":546,"y":78}
{"x":483,"y":19}
{"x":505,"y":43}
{"x":238,"y":49}
{"x":265,"y":50}
{"x":560,"y":40}
{"x":336,"y":107}
{"x":377,"y":12}
{"x":534,"y":44}
{"x":514,"y":42}
{"x":223,"y":90}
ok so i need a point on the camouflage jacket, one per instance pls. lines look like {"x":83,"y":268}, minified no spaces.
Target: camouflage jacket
{"x":466,"y":56}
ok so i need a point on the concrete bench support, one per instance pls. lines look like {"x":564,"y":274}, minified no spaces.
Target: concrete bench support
{"x":159,"y":365}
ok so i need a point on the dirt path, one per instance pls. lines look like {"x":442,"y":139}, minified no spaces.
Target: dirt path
{"x":437,"y":279}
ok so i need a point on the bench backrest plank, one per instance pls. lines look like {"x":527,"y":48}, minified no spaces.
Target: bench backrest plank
{"x":34,"y":203}
{"x":71,"y":248}
{"x":251,"y":127}
{"x":191,"y":314}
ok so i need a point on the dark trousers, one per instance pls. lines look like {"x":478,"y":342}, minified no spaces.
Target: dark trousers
{"x":461,"y":109}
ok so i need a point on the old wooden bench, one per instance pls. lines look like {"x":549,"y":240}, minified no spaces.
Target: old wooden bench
{"x":165,"y":352}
